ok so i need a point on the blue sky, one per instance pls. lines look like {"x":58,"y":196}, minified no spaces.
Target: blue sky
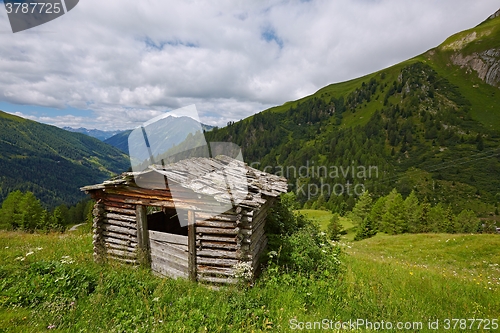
{"x":115,"y":64}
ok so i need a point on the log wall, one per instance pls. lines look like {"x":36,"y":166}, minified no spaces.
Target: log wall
{"x":227,"y":239}
{"x":115,"y":231}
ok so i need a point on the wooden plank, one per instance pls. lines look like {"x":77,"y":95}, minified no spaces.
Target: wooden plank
{"x":125,"y":211}
{"x":120,"y":247}
{"x":131,"y":238}
{"x":120,"y":230}
{"x":157,"y":244}
{"x":218,"y":254}
{"x":221,"y":280}
{"x":121,"y":253}
{"x":142,"y":235}
{"x":216,"y":261}
{"x":168,"y":271}
{"x":215,"y":224}
{"x":211,"y":270}
{"x":120,"y":241}
{"x":167,"y":262}
{"x":121,"y":223}
{"x":169,"y":238}
{"x":218,"y":217}
{"x":217,"y":231}
{"x":121,"y":217}
{"x":108,"y":202}
{"x":216,"y":245}
{"x":167,"y":250}
{"x":226,"y":239}
{"x":257,"y":234}
{"x":192,"y":245}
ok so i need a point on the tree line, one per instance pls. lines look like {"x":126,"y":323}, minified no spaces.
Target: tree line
{"x":23,"y":211}
{"x":393,"y":214}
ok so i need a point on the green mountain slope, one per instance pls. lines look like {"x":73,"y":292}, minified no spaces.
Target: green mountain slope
{"x":430,"y":124}
{"x":51,"y":162}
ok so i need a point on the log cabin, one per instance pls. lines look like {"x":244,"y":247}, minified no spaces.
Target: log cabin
{"x":200,"y":218}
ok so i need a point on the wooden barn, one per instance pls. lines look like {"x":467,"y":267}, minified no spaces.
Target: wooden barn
{"x":142,"y":224}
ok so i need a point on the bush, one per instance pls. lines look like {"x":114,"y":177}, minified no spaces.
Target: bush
{"x":297,"y":246}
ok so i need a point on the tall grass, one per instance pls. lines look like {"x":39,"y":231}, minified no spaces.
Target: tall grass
{"x":390,"y":278}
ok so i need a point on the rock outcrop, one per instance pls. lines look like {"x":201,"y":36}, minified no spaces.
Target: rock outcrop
{"x":486,"y":64}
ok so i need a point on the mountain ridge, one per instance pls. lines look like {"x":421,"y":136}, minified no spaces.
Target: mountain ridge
{"x":424,"y":118}
{"x":51,"y":162}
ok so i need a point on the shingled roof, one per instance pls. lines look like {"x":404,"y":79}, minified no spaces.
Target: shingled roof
{"x":209,"y":176}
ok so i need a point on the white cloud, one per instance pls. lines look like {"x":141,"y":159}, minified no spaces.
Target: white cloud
{"x":126,"y":61}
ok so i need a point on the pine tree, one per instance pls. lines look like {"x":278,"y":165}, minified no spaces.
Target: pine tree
{"x":365,"y":229}
{"x":378,"y":210}
{"x":412,"y":212}
{"x":335,"y":228}
{"x":31,"y":212}
{"x":467,"y":221}
{"x":361,"y":208}
{"x":393,"y":221}
{"x":10,"y":215}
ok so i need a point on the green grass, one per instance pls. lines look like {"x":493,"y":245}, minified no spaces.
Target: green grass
{"x":322,"y":217}
{"x":390,"y":278}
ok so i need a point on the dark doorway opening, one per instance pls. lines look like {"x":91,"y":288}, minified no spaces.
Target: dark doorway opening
{"x":166,"y":220}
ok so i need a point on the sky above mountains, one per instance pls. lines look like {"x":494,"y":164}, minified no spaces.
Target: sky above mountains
{"x":115,"y":64}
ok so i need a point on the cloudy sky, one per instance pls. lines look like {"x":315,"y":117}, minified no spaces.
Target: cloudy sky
{"x":114,"y":64}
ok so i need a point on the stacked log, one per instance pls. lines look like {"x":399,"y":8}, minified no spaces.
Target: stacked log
{"x":119,"y":231}
{"x":98,"y":237}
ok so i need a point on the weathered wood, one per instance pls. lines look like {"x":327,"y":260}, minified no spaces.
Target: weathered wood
{"x":211,"y":217}
{"x":120,"y":241}
{"x":225,"y":239}
{"x":215,"y":245}
{"x":257,"y":234}
{"x":216,"y":261}
{"x":120,"y":230}
{"x":125,"y":211}
{"x":168,"y":271}
{"x":192,"y":245}
{"x":108,"y":203}
{"x":121,"y":217}
{"x":121,"y":253}
{"x":169,"y":238}
{"x":169,"y":250}
{"x":183,"y":248}
{"x":121,"y":223}
{"x":217,"y":231}
{"x":125,"y":237}
{"x":218,"y":254}
{"x":212,"y":270}
{"x":142,"y":235}
{"x":121,"y":247}
{"x":221,"y":280}
{"x":215,"y":224}
{"x":168,"y":262}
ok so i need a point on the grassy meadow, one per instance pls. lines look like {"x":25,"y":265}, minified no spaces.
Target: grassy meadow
{"x":49,"y":283}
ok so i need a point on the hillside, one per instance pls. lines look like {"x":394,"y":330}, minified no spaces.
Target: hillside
{"x":429,"y":124}
{"x":51,"y":162}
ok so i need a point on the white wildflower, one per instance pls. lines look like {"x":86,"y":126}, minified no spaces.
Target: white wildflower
{"x":29,"y":253}
{"x":243,"y":270}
